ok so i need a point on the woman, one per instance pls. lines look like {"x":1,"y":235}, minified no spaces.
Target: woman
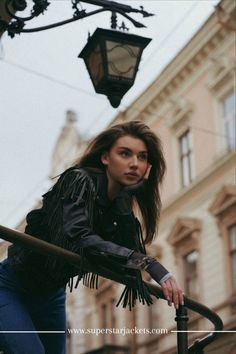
{"x":90,"y":210}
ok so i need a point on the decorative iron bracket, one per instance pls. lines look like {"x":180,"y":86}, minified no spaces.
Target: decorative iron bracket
{"x":17,"y":24}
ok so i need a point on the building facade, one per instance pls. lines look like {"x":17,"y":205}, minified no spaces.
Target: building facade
{"x":191,"y":106}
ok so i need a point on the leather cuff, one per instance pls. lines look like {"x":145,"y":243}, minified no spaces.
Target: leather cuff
{"x":139,"y":261}
{"x":157,"y":271}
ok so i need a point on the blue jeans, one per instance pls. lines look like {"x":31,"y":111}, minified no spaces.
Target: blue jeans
{"x":20,"y":311}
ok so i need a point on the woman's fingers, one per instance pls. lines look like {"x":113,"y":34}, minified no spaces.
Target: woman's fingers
{"x":181,"y":297}
{"x":165,"y":291}
{"x":172,"y":292}
{"x":145,"y":177}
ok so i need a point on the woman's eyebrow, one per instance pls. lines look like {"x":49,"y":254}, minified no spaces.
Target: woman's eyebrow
{"x":126,"y":148}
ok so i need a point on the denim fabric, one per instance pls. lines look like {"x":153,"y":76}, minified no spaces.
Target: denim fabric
{"x":20,"y":311}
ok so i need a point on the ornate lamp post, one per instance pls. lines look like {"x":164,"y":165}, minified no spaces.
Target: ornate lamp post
{"x":112,"y":57}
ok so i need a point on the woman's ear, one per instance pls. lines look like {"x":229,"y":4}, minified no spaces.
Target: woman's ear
{"x":104,"y":158}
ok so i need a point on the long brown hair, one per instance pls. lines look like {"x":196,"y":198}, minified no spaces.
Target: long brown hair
{"x":148,"y":198}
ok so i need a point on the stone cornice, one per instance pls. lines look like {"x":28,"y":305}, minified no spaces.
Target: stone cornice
{"x":221,"y":68}
{"x":184,"y":228}
{"x":225,"y":199}
{"x":181,"y":68}
{"x":180,"y":110}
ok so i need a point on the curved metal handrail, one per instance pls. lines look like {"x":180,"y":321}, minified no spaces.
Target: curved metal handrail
{"x":203,"y":310}
{"x":50,"y":249}
{"x":211,"y":316}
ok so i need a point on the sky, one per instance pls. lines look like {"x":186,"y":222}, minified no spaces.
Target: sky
{"x":41,"y":77}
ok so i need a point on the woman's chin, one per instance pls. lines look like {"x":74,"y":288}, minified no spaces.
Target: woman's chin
{"x":129,"y":183}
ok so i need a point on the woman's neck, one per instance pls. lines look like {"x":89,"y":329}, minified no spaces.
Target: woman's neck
{"x":113,"y":188}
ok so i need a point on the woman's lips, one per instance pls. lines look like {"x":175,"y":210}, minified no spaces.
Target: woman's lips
{"x":132,"y":175}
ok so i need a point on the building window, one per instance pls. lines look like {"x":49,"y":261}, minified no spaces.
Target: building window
{"x":68,"y":340}
{"x":186,"y":156}
{"x":229,"y":121}
{"x":191,"y":278}
{"x":106,"y":309}
{"x":104,"y":316}
{"x":221,"y":82}
{"x":223,"y":208}
{"x":184,"y":238}
{"x":113,"y":317}
{"x":232,"y":252}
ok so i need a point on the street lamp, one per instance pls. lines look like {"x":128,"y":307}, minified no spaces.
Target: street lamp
{"x":112,"y":57}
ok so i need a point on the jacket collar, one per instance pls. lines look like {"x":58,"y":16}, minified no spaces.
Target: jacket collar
{"x":100,"y":179}
{"x":102,"y":196}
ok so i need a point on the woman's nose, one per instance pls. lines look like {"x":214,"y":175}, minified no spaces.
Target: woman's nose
{"x":134,"y":161}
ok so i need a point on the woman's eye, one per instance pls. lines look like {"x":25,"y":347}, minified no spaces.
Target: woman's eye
{"x":143,"y":157}
{"x":124,"y":153}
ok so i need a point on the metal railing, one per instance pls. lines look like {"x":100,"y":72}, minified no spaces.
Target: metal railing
{"x":197,"y":347}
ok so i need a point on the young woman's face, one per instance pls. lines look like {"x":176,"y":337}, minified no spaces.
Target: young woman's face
{"x":127,"y":161}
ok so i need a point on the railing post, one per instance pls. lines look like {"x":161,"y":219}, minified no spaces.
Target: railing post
{"x":182,"y":337}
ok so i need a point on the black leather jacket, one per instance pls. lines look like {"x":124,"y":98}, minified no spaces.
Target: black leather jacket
{"x":77,"y":215}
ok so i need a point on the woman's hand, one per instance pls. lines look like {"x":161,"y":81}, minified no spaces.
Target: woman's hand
{"x":147,"y":173}
{"x":131,"y":190}
{"x":172,"y":292}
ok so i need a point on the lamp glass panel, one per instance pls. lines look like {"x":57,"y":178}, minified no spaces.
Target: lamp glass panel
{"x":95,"y":65}
{"x":121,"y":59}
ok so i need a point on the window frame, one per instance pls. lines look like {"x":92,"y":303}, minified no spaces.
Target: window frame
{"x":105,"y":298}
{"x":223,"y":209}
{"x":232,"y":254}
{"x":179,"y":120}
{"x":187,"y":278}
{"x":227,"y":143}
{"x":188,"y":154}
{"x":221,"y":83}
{"x":185,"y":238}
